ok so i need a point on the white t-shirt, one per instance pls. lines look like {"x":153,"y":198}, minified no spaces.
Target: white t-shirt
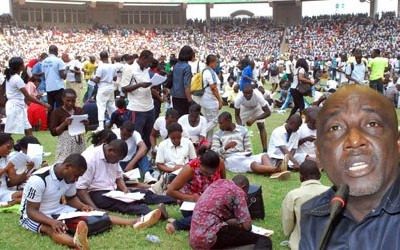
{"x":296,"y":77}
{"x":43,"y":187}
{"x":359,"y":71}
{"x":140,"y":99}
{"x":72,"y":65}
{"x":279,"y":138}
{"x":342,"y":76}
{"x":257,"y":100}
{"x":13,"y":90}
{"x":208,"y":100}
{"x":307,"y":147}
{"x":132,"y":142}
{"x":193,"y":133}
{"x":106,"y":72}
{"x":161,"y":125}
{"x":288,"y":67}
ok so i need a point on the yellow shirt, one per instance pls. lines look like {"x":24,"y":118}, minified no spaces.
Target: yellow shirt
{"x":377,"y":65}
{"x":89,"y":69}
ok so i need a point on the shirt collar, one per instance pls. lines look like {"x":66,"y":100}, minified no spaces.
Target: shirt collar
{"x":310,"y":182}
{"x":101,"y":153}
{"x":53,"y":174}
{"x":171,"y":145}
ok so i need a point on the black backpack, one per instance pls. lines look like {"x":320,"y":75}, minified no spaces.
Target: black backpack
{"x":255,"y":202}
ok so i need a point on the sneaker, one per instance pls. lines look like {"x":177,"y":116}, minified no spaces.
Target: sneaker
{"x":284,"y":164}
{"x":164,"y":212}
{"x":148,"y":220}
{"x":80,"y":237}
{"x":149,"y":179}
{"x":282,"y":176}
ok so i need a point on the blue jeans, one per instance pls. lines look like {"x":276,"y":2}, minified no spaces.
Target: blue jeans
{"x":287,"y":101}
{"x":89,"y":93}
{"x":144,"y":122}
{"x":184,"y":224}
{"x":377,"y":85}
{"x":143,"y":164}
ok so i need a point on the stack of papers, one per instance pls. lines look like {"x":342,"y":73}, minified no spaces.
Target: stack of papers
{"x":35,"y":153}
{"x":261,"y":231}
{"x":188,"y":206}
{"x":125,"y":197}
{"x":77,"y":127}
{"x":64,"y":216}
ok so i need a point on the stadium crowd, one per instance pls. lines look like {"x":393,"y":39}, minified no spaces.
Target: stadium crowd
{"x":203,"y":71}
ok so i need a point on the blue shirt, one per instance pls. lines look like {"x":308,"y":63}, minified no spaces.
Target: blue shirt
{"x":37,"y":69}
{"x":378,"y":230}
{"x":51,"y":67}
{"x":246,"y":72}
{"x":182,"y":75}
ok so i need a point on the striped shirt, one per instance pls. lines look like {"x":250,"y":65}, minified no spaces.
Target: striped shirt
{"x":238,"y":135}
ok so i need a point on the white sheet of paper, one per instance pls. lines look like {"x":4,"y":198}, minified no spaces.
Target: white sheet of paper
{"x":157,"y":79}
{"x":19,"y":160}
{"x":35,"y":153}
{"x":133,"y":174}
{"x":188,"y":206}
{"x":261,"y":231}
{"x":128,"y":197}
{"x":77,"y":127}
{"x":176,"y":172}
{"x":64,"y":216}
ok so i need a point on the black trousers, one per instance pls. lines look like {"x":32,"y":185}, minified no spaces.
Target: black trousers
{"x":233,"y":236}
{"x":298,"y":101}
{"x":181,"y":105}
{"x":54,"y":99}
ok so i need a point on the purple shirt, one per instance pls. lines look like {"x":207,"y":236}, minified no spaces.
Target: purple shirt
{"x":221,"y":201}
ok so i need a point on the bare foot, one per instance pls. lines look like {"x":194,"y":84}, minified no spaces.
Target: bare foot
{"x":170,"y":229}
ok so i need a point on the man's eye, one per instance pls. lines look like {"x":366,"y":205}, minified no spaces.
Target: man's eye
{"x":334,"y":128}
{"x":372,"y":124}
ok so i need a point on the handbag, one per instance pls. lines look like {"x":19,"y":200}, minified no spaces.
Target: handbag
{"x":303,"y":88}
{"x":255,"y":202}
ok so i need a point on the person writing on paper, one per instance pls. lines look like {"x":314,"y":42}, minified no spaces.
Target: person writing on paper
{"x":104,"y":175}
{"x":41,"y":200}
{"x":291,"y":205}
{"x":136,"y":83}
{"x":7,"y":197}
{"x":59,"y":122}
{"x":232,"y":143}
{"x":192,"y":181}
{"x":221,"y":218}
{"x":357,"y":144}
{"x":20,"y":165}
{"x":174,"y":152}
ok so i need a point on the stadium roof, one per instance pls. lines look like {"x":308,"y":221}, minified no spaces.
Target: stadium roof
{"x":132,"y":2}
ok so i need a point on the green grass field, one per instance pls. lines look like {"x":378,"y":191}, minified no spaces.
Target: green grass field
{"x":14,"y":237}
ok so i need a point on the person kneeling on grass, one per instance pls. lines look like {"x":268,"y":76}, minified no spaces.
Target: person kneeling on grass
{"x":41,"y":200}
{"x":221,"y":218}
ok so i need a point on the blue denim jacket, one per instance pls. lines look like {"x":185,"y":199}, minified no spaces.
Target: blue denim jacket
{"x":182,"y":75}
{"x":380,"y":229}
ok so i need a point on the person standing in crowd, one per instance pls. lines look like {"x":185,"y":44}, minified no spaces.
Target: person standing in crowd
{"x":210,"y":101}
{"x":136,"y":82}
{"x":89,"y":69}
{"x":289,"y":68}
{"x":104,"y":77}
{"x":250,"y":107}
{"x":377,"y":66}
{"x":247,"y":73}
{"x":17,"y":118}
{"x":60,"y":120}
{"x":300,"y":75}
{"x":181,"y":97}
{"x":291,"y":205}
{"x":357,"y":71}
{"x":221,"y":218}
{"x":54,"y":73}
{"x":37,"y":71}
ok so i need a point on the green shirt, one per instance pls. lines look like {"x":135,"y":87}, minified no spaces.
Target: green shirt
{"x":377,"y":65}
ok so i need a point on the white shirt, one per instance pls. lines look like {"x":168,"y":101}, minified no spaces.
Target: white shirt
{"x":307,"y":147}
{"x":99,"y":175}
{"x":342,"y":77}
{"x":194,"y":66}
{"x":288,"y":67}
{"x":208,"y":100}
{"x":140,"y":99}
{"x":13,"y":90}
{"x":132,"y":142}
{"x":172,"y":155}
{"x":193,"y":133}
{"x":257,"y":100}
{"x":43,"y":187}
{"x":359,"y":71}
{"x":296,"y":77}
{"x":161,"y":126}
{"x":279,"y":138}
{"x":72,"y":65}
{"x":106,"y":72}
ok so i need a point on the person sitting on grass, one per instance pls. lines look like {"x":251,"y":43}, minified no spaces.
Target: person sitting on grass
{"x":232,"y":143}
{"x":221,"y":218}
{"x":291,"y":205}
{"x":284,"y":141}
{"x":191,"y":182}
{"x":122,"y":114}
{"x":194,"y":126}
{"x":41,"y":200}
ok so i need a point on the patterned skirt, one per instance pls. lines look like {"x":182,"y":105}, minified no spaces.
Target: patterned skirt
{"x":69,"y":145}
